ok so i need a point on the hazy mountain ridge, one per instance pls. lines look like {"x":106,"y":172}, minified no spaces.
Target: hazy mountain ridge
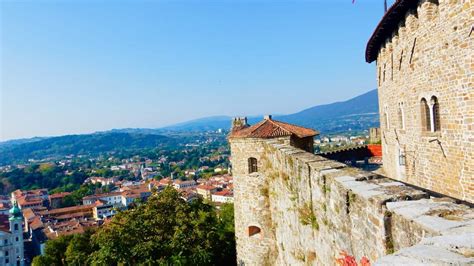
{"x":356,"y":114}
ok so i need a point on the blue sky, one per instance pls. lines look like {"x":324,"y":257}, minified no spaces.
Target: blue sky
{"x":83,"y":66}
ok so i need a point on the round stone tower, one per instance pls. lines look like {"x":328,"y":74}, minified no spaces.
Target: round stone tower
{"x":253,"y":226}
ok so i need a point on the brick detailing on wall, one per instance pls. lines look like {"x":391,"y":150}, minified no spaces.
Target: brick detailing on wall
{"x":309,"y":209}
{"x":435,"y":54}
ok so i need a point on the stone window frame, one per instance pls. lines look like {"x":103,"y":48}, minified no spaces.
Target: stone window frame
{"x":425,"y":115}
{"x":435,"y":114}
{"x":252,"y":165}
{"x":432,"y":117}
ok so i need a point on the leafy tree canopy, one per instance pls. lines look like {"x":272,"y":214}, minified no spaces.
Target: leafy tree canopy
{"x":165,"y":230}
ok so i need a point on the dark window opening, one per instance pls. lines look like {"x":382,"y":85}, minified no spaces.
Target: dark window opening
{"x":425,"y":115}
{"x":436,"y":119}
{"x":252,"y":165}
{"x":253,"y":230}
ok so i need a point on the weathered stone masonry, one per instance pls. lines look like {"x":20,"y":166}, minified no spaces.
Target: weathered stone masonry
{"x":309,"y":209}
{"x":423,"y":49}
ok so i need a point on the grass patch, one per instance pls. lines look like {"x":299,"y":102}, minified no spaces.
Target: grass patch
{"x":290,"y":162}
{"x":307,"y":217}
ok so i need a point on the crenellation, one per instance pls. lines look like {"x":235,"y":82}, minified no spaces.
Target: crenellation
{"x":322,"y":207}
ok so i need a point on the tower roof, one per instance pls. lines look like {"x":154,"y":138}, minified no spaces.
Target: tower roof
{"x":269,"y":128}
{"x":15,"y":212}
{"x":387,"y":25}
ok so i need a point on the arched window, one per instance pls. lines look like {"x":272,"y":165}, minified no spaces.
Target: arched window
{"x":436,"y":126}
{"x":425,"y":115}
{"x":253,"y":230}
{"x":252,"y":165}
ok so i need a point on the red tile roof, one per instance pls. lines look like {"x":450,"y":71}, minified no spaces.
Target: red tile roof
{"x":60,"y":211}
{"x":269,"y":128}
{"x":224,"y":192}
{"x":27,"y":201}
{"x":206,"y":187}
{"x":59,"y":195}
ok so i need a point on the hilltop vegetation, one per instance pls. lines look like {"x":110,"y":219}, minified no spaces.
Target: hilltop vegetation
{"x":165,"y":230}
{"x":90,"y":144}
{"x":45,"y":175}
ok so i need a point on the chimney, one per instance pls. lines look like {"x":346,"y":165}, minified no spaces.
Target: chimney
{"x":267,"y":117}
{"x":239,"y":123}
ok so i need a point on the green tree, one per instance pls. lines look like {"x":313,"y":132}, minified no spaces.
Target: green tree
{"x":55,"y":252}
{"x":79,"y":249}
{"x":227,"y":253}
{"x":165,"y":231}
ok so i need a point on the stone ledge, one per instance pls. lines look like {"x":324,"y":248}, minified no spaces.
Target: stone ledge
{"x":423,"y":231}
{"x":435,"y":216}
{"x":440,"y":250}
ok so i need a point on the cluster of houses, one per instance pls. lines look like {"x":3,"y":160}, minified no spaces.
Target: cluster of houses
{"x":44,"y":218}
{"x":217,"y":189}
{"x":342,"y":140}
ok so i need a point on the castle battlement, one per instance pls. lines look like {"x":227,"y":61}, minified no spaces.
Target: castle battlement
{"x":300,"y":209}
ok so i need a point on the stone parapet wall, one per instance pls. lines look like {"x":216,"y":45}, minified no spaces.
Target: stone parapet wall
{"x":311,"y":208}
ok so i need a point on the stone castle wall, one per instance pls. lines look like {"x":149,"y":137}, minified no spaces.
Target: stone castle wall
{"x":309,"y":209}
{"x":431,"y":54}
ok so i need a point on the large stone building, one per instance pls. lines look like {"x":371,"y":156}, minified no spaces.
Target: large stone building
{"x":296,"y":208}
{"x":424,"y":51}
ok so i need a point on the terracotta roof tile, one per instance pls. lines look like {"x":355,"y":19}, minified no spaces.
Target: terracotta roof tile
{"x":270,"y":128}
{"x":59,"y":195}
{"x":206,"y":187}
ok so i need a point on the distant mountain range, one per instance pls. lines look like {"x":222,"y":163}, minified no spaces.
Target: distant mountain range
{"x":356,"y":115}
